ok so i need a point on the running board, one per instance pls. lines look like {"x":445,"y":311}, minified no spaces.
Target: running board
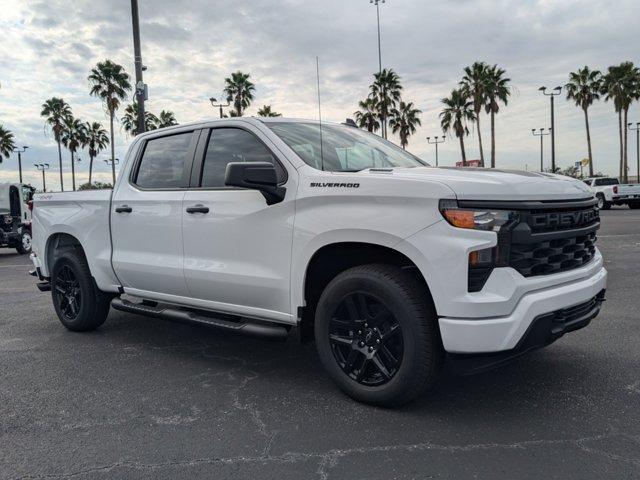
{"x":175,"y":314}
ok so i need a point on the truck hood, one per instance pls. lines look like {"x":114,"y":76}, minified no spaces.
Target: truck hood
{"x":492,"y":184}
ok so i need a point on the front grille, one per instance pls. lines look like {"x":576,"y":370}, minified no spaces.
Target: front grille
{"x":552,"y":256}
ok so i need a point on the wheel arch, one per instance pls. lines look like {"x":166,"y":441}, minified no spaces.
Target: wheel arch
{"x":330,"y":259}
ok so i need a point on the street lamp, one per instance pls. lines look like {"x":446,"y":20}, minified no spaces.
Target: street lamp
{"x":213,"y":101}
{"x":541,"y":133}
{"x":637,"y":129}
{"x":553,"y":93}
{"x":140,"y":86}
{"x":108,"y":161}
{"x":42,"y":167}
{"x":436,"y":142}
{"x":19,"y":152}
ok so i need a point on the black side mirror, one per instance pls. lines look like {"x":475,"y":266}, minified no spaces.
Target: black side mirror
{"x":260,"y":176}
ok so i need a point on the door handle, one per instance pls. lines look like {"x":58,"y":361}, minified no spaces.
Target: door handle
{"x":124,"y":209}
{"x":199,"y":208}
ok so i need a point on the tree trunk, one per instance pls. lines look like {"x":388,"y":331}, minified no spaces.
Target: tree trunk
{"x":73,"y":172}
{"x":586,"y":122}
{"x":90,"y":169}
{"x":493,"y":139}
{"x":625,"y":163}
{"x":113,"y":151}
{"x":60,"y":159}
{"x":464,"y":155}
{"x":621,"y":143}
{"x":480,"y":139}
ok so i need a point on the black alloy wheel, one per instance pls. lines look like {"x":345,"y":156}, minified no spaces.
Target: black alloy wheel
{"x":366,"y":339}
{"x":69,"y":294}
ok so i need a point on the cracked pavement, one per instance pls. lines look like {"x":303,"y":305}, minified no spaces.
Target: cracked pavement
{"x":142,"y":399}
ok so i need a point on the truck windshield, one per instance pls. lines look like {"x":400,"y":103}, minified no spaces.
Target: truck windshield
{"x":344,"y":148}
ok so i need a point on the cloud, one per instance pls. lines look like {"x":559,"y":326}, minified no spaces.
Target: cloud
{"x":189,"y":47}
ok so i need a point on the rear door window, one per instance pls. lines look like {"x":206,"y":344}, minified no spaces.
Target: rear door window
{"x":162,"y":164}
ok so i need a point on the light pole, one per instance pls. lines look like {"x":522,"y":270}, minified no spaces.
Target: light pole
{"x":555,"y":92}
{"x":113,"y":164}
{"x":42,"y":167}
{"x":213,"y":101}
{"x":541,"y":134}
{"x":377,"y":4}
{"x":436,"y":142}
{"x":637,"y":129}
{"x":141,"y":88}
{"x":19,"y":152}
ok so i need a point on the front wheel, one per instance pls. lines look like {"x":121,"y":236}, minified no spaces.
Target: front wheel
{"x":377,"y":335}
{"x":602,"y":203}
{"x":80,"y":305}
{"x":634,"y":206}
{"x":24,"y":248}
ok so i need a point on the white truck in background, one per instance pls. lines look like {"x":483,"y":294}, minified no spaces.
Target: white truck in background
{"x":15,"y":216}
{"x":393,"y":267}
{"x":609,"y":191}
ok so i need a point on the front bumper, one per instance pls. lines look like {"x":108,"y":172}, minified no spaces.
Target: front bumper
{"x":544,"y":330}
{"x":504,"y":333}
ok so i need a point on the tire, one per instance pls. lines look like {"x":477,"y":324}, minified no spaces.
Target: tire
{"x":80,"y":305}
{"x":354,"y":333}
{"x":634,"y":206}
{"x":602,"y":203}
{"x":25,"y":243}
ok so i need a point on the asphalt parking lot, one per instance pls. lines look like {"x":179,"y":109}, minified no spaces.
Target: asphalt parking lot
{"x":143,"y":398}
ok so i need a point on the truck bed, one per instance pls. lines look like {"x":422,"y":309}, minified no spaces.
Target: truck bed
{"x":82,"y":215}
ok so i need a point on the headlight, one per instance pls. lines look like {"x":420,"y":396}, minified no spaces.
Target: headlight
{"x":482,"y":262}
{"x":475,"y":219}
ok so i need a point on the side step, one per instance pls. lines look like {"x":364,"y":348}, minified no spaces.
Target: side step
{"x":175,"y":314}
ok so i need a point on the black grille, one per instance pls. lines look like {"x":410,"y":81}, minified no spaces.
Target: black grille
{"x":552,"y":256}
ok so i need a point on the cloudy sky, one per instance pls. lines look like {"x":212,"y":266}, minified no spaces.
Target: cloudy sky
{"x":48,"y":47}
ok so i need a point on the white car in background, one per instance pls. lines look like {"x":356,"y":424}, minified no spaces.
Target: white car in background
{"x":609,"y":191}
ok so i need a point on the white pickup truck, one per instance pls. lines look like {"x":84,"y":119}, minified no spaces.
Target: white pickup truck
{"x":392,"y":266}
{"x":609,"y":191}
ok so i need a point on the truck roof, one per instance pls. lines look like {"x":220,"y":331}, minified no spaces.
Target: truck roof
{"x":232,"y":120}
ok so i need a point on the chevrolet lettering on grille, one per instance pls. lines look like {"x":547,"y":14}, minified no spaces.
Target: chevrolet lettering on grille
{"x":563,"y":219}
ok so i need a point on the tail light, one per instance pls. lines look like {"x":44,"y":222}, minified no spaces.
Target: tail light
{"x":615,"y":189}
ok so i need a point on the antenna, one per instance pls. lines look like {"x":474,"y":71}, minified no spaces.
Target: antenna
{"x":319,"y":113}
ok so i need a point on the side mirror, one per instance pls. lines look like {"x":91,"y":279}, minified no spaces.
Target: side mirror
{"x":260,"y":176}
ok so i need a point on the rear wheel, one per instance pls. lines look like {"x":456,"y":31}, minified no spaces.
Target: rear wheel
{"x":80,"y":305}
{"x":24,"y":248}
{"x":377,"y":335}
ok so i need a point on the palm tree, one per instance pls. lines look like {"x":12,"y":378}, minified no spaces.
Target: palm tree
{"x":166,"y":119}
{"x":367,"y":116}
{"x":266,"y":111}
{"x":457,"y":111}
{"x":385,"y":91}
{"x":7,"y":143}
{"x":584,"y":88}
{"x":55,"y":110}
{"x":110,"y":82}
{"x":404,"y":121}
{"x":97,"y":140}
{"x":130,"y":120}
{"x":239,"y":90}
{"x":497,"y":90}
{"x":621,"y":85}
{"x":474,"y":83}
{"x":73,"y":137}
